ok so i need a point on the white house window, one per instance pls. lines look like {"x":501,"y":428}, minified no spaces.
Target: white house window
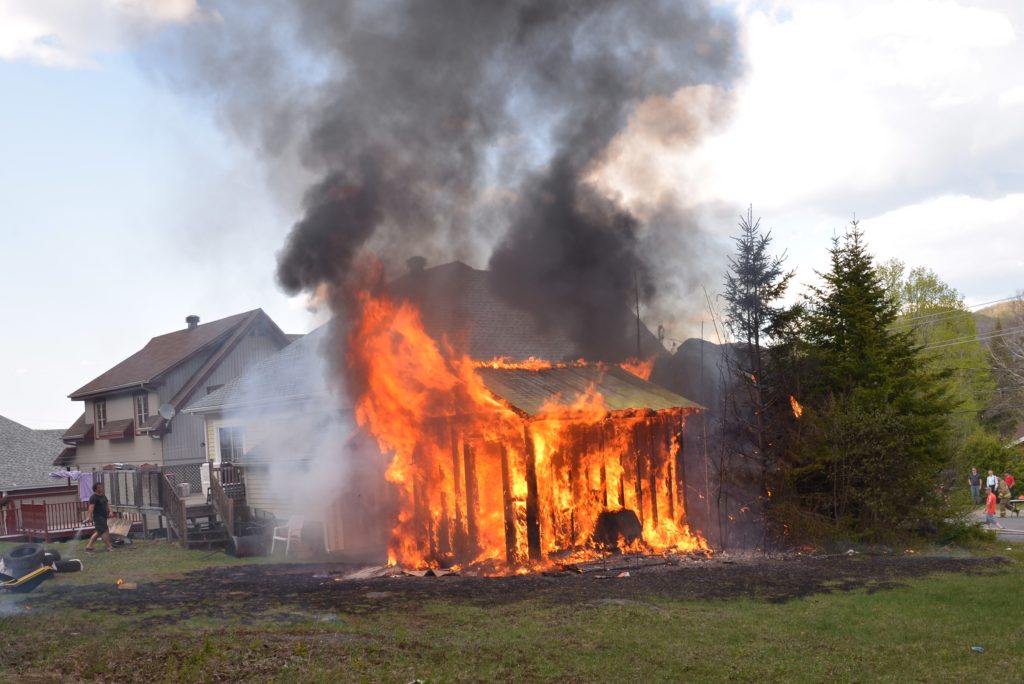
{"x":99,"y":408}
{"x":231,"y":444}
{"x":141,"y":408}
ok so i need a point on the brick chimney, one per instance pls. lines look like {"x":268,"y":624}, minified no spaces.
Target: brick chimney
{"x":193,"y":321}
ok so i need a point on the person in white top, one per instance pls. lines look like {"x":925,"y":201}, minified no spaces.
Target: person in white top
{"x":992,"y":482}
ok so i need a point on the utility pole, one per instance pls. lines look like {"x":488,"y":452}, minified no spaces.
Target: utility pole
{"x":704,"y":440}
{"x":636,"y":292}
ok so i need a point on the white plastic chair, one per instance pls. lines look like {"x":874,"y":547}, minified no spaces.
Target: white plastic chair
{"x":285,"y":533}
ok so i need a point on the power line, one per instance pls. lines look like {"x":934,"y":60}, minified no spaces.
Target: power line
{"x":972,"y":338}
{"x":983,"y":410}
{"x":909,"y":322}
{"x":989,"y":369}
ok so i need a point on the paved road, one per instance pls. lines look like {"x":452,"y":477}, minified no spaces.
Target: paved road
{"x":1013,"y":525}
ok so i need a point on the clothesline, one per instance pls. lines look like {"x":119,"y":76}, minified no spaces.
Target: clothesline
{"x":69,"y":474}
{"x":84,"y":480}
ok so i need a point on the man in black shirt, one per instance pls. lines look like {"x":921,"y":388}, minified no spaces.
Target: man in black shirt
{"x":974,"y":480}
{"x":99,"y":511}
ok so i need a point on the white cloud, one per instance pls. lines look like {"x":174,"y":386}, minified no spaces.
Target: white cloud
{"x":68,"y":33}
{"x":848,"y":98}
{"x":973,"y":243}
{"x":905,"y":112}
{"x":1012,"y":96}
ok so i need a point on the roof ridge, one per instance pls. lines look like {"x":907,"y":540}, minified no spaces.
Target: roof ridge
{"x":213,"y":342}
{"x":159,"y":368}
{"x":261,"y":371}
{"x":233,"y":335}
{"x":201,"y":325}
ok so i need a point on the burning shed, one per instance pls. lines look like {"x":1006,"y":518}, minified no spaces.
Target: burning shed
{"x":513,"y":462}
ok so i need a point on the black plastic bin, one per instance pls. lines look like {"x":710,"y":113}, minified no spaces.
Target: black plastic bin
{"x":248,"y":545}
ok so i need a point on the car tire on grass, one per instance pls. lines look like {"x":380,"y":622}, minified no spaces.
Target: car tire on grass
{"x":50,"y":556}
{"x":24,"y":557}
{"x":71,"y":565}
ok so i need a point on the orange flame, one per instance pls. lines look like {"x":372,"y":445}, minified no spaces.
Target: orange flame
{"x":476,"y":481}
{"x":531,"y":363}
{"x":798,"y":410}
{"x":641,"y":369}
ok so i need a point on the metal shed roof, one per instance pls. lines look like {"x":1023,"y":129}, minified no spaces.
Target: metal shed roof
{"x":529,"y":390}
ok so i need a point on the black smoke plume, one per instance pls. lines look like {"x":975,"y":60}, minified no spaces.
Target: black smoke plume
{"x":460,"y":129}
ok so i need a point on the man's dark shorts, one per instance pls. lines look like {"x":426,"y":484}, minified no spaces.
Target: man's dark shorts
{"x":100,"y":524}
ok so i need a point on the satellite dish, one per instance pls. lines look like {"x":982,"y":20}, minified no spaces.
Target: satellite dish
{"x":166,"y":411}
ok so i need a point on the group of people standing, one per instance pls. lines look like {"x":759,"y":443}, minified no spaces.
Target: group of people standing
{"x":999,"y":491}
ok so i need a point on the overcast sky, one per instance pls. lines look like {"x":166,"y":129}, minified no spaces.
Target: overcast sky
{"x":124,"y":207}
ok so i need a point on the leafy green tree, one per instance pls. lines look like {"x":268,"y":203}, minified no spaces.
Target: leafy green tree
{"x":989,"y":452}
{"x":1005,"y":412}
{"x":946,"y":332}
{"x":875,"y":432}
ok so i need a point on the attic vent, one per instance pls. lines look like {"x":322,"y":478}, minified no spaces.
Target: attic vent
{"x":193,"y":321}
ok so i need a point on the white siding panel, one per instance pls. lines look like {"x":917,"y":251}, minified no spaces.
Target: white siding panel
{"x":103,"y":452}
{"x":262,"y":494}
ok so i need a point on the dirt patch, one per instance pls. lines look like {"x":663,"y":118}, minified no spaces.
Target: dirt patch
{"x":307,"y":591}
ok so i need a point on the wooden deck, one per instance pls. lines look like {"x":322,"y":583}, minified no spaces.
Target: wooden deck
{"x":52,"y":521}
{"x":203,"y":519}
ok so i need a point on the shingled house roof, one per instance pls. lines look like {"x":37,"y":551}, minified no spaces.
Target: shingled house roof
{"x":26,"y":455}
{"x":165,"y":352}
{"x":530,"y":391}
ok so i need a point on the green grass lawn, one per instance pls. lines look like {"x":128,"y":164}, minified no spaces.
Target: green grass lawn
{"x":921,"y":631}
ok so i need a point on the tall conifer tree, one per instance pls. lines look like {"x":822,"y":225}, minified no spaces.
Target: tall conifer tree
{"x":877,"y":431}
{"x":754,"y":284}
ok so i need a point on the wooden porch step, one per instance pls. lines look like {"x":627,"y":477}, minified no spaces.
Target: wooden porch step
{"x":200,"y":511}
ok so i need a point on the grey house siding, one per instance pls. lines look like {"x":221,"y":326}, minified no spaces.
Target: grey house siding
{"x":251,"y":350}
{"x":186,"y":443}
{"x":183,"y":444}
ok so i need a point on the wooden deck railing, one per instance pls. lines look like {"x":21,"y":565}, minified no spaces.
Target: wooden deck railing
{"x":8,"y":521}
{"x":223,"y":503}
{"x":175,"y":511}
{"x":227,"y":474}
{"x":46,"y":520}
{"x":42,"y":520}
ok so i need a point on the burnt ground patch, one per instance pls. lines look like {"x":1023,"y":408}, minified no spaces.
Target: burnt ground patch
{"x":296,"y":591}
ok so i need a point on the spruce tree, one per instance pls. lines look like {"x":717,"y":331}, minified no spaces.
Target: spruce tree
{"x":876,"y":432}
{"x":754,"y":284}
